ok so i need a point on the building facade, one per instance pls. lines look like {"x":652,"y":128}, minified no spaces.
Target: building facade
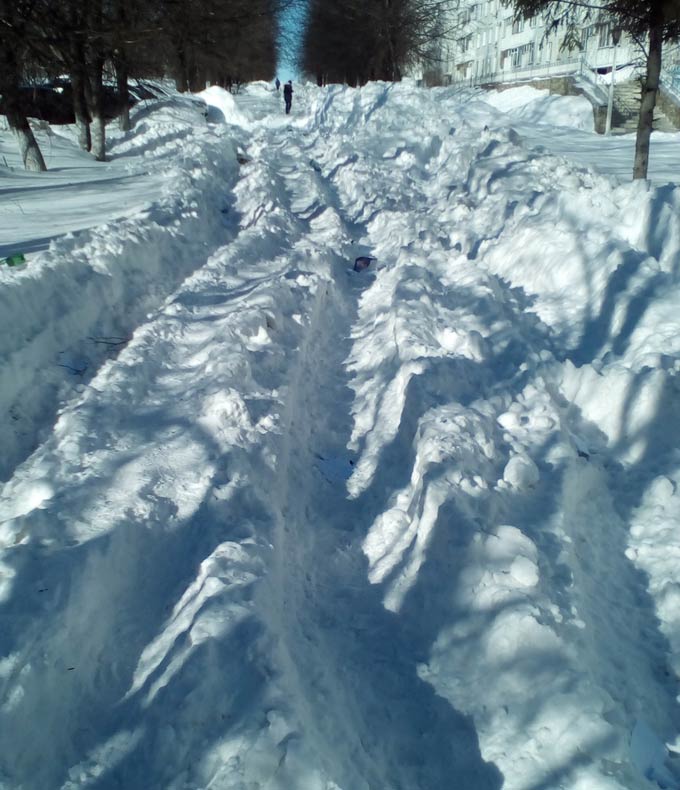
{"x":490,"y":45}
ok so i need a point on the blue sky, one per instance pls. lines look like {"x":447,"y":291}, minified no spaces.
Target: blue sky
{"x":291,"y":35}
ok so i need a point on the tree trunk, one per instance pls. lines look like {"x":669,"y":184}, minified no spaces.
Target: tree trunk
{"x":120,"y":63}
{"x":650,"y":87}
{"x":99,"y":137}
{"x":390,"y":67}
{"x":198,"y":79}
{"x":16,"y":116}
{"x":80,"y":108}
{"x":181,"y":69}
{"x":95,"y":55}
{"x":30,"y":151}
{"x":94,"y":91}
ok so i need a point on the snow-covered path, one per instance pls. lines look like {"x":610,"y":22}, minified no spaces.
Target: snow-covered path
{"x":409,"y":528}
{"x":351,"y":667}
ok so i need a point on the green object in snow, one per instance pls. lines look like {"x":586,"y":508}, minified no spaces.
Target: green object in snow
{"x":15,"y":260}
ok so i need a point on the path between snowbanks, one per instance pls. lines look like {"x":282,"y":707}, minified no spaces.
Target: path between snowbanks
{"x":327,"y":530}
{"x":141,"y":578}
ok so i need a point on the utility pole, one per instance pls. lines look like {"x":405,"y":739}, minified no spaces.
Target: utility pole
{"x":616,"y":37}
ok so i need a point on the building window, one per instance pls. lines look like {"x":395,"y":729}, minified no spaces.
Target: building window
{"x":513,"y":55}
{"x":518,"y":25}
{"x":518,"y":56}
{"x":604,"y":35}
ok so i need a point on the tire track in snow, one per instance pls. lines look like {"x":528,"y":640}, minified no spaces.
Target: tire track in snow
{"x":143,"y":524}
{"x":352,"y":669}
{"x":602,"y":738}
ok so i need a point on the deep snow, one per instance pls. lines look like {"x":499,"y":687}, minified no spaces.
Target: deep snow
{"x":268,"y":522}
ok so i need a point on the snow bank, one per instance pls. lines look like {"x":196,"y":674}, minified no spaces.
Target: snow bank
{"x":533,"y":105}
{"x":222,"y":107}
{"x":575,"y":112}
{"x":407,"y":527}
{"x":515,"y":98}
{"x":70,"y":307}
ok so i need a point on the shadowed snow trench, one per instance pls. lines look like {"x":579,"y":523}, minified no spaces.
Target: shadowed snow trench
{"x":350,"y":664}
{"x":317,"y":529}
{"x":198,"y":609}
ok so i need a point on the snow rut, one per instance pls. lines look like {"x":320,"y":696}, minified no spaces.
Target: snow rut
{"x":128,"y":568}
{"x":351,"y":664}
{"x":321,"y":529}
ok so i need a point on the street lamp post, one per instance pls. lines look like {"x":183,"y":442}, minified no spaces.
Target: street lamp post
{"x":616,"y":37}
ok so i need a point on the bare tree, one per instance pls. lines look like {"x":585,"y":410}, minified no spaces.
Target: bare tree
{"x":354,"y":41}
{"x":220,"y":42}
{"x":14,"y":52}
{"x":198,"y":41}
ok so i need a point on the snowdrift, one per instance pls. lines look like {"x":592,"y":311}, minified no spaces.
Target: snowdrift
{"x":410,"y":527}
{"x":74,"y":304}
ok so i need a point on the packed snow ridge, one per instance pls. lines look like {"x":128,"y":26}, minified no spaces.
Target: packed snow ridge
{"x":268,"y":522}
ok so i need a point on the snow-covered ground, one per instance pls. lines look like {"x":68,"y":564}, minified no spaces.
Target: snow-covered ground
{"x":268,"y":522}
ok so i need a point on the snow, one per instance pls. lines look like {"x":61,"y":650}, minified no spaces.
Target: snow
{"x":538,"y":106}
{"x":223,"y":107}
{"x":268,"y":522}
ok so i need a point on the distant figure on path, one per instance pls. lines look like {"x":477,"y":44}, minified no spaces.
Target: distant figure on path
{"x":288,"y":95}
{"x":277,"y":83}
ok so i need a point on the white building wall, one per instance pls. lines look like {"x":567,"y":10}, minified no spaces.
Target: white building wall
{"x":491,"y":46}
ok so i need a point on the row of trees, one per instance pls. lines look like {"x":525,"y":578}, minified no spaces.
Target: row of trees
{"x":354,"y":41}
{"x":98,"y":42}
{"x":227,"y":41}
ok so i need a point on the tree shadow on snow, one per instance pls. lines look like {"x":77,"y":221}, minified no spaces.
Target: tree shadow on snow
{"x":588,"y":568}
{"x":99,"y":606}
{"x":401,"y":733}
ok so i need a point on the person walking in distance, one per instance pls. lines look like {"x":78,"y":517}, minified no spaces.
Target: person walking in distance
{"x":277,"y":83}
{"x":288,"y":95}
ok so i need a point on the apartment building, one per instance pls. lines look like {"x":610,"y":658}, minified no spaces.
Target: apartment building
{"x":489,"y":45}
